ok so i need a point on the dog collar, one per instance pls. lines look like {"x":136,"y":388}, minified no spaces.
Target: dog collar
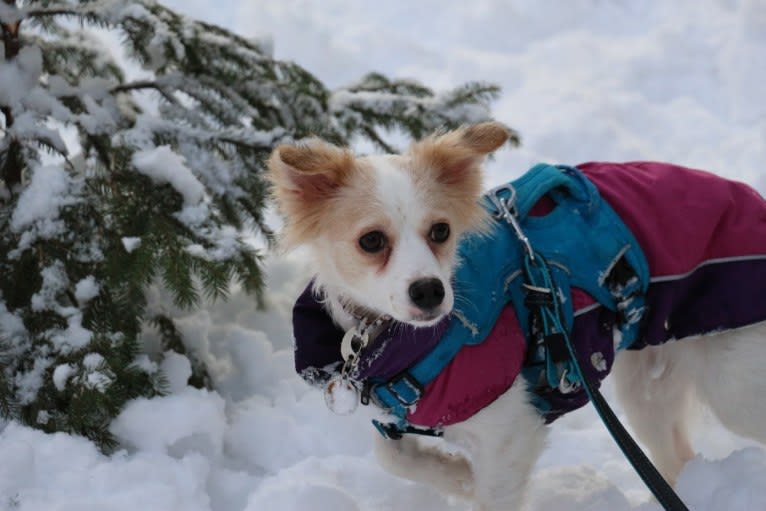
{"x":318,"y":339}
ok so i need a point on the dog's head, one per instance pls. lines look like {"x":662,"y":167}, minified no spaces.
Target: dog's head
{"x":383,"y":229}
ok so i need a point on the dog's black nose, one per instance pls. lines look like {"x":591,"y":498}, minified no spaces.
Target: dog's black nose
{"x":427,"y":293}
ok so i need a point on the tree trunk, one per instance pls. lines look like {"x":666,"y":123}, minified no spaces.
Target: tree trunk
{"x":10,"y":171}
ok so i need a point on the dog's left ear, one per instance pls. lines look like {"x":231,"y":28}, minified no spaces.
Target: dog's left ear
{"x":452,"y":159}
{"x":457,"y":154}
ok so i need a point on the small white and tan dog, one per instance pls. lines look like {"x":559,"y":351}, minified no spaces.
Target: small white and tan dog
{"x":383,"y":230}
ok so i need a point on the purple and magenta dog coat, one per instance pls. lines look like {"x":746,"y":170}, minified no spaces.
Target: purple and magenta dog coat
{"x":703,"y":237}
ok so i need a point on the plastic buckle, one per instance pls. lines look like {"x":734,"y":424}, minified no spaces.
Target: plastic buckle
{"x":537,"y":296}
{"x":366,"y":393}
{"x":402,"y":384}
{"x":388,"y":431}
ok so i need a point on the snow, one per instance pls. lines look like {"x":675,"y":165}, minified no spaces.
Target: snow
{"x":30,"y":381}
{"x":592,"y":80}
{"x":28,"y":124}
{"x":19,"y":76}
{"x":12,"y":328}
{"x":163,"y":165}
{"x":38,"y":209}
{"x":61,"y":374}
{"x":731,"y":484}
{"x":92,"y":360}
{"x":68,"y":473}
{"x":9,"y":13}
{"x":176,"y":424}
{"x":54,"y":282}
{"x":177,"y":369}
{"x":131,"y":243}
{"x":86,"y":289}
{"x":75,"y":335}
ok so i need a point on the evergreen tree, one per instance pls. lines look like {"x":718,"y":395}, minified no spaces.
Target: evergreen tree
{"x":109,"y":184}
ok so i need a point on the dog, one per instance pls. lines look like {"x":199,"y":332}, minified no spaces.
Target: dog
{"x":384,"y":231}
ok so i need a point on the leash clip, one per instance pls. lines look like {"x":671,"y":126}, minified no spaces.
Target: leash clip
{"x":566,"y":386}
{"x":506,"y":210}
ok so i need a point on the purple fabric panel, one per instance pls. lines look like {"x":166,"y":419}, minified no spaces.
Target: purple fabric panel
{"x":717,"y":296}
{"x":317,"y":338}
{"x":591,"y":333}
{"x":398,"y":348}
{"x":317,"y":342}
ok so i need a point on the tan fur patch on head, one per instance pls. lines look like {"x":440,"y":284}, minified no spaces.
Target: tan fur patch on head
{"x":317,"y":157}
{"x":485,"y":137}
{"x":304,"y":178}
{"x":451,"y":162}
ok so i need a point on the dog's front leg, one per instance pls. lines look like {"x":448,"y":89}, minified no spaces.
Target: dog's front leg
{"x":504,"y":442}
{"x":407,"y":458}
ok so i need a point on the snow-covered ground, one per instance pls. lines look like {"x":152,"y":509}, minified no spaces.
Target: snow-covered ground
{"x":590,"y":80}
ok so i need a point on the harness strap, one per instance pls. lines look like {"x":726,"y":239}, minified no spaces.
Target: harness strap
{"x":543,"y":179}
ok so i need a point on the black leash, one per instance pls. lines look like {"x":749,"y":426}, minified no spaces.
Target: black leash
{"x":539,"y":278}
{"x":660,"y":488}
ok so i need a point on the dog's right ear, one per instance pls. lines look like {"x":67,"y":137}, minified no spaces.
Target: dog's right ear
{"x":310,"y":170}
{"x":303,"y":177}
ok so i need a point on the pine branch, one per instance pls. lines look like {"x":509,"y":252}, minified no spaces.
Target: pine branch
{"x":145,"y":84}
{"x":38,"y":13}
{"x":373,"y":136}
{"x":12,"y":161}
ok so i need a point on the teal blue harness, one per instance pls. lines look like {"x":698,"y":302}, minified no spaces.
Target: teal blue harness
{"x":581,"y":243}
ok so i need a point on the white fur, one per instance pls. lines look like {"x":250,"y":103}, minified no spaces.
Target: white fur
{"x":657,"y":386}
{"x":411,"y":259}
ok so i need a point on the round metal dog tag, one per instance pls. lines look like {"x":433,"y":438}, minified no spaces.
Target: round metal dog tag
{"x":341,"y":396}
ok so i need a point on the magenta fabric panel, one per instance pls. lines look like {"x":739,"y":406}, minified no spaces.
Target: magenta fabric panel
{"x":680,"y":216}
{"x":475,"y":377}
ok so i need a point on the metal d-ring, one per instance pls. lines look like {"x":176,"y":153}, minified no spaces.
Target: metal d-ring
{"x":505,"y":209}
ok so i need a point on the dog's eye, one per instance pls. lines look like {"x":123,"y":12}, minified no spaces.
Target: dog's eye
{"x":439,"y":232}
{"x":373,"y":241}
